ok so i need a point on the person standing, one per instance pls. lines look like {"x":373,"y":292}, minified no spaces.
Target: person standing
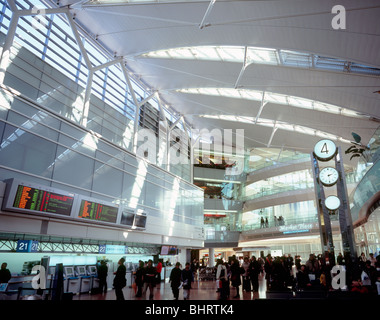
{"x":102,"y":276}
{"x":246,"y":275}
{"x":5,"y":274}
{"x":139,"y":275}
{"x":119,"y":282}
{"x":254,"y":271}
{"x":236,"y":276}
{"x":149,"y":279}
{"x":221,"y":275}
{"x":175,"y":280}
{"x":187,"y":279}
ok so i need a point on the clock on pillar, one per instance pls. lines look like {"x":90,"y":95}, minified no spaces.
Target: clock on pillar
{"x":325,"y":150}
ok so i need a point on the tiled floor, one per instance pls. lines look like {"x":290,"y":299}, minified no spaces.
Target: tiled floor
{"x":201,"y":290}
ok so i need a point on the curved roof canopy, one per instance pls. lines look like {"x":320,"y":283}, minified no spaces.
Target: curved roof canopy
{"x":276,"y":64}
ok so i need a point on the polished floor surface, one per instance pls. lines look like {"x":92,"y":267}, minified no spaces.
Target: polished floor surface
{"x":201,"y":290}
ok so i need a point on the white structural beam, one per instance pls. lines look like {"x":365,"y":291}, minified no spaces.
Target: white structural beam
{"x":272,"y":135}
{"x":6,"y":52}
{"x":151,"y":96}
{"x":245,"y":64}
{"x":207,"y":13}
{"x":263,"y":103}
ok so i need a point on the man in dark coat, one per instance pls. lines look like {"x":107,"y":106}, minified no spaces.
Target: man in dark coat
{"x":187,"y":278}
{"x":254,"y":271}
{"x":175,"y":280}
{"x":5,"y":274}
{"x":119,"y":282}
{"x":102,"y":276}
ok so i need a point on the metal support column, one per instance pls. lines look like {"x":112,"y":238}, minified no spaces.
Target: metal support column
{"x":345,"y":219}
{"x":323,"y":214}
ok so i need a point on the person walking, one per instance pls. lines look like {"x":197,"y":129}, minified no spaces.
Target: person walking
{"x":175,"y":280}
{"x":119,"y":282}
{"x":187,"y":279}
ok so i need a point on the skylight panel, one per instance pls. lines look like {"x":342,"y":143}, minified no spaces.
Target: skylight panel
{"x":299,"y":102}
{"x":276,"y":98}
{"x":264,"y":56}
{"x":324,"y":107}
{"x":295,"y":58}
{"x":233,"y":54}
{"x":268,"y":56}
{"x":277,"y":124}
{"x":272,"y":97}
{"x":206,"y":53}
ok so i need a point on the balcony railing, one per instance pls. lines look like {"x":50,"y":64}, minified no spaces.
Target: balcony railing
{"x":312,"y":218}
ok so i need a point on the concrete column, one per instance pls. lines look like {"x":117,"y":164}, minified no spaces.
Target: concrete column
{"x":211,"y":253}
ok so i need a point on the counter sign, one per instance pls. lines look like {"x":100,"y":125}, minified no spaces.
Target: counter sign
{"x":27,"y":246}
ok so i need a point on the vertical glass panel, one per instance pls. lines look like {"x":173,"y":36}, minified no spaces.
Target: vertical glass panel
{"x":26,"y":152}
{"x":78,"y":140}
{"x":110,"y":155}
{"x":107,"y":180}
{"x":73,"y":168}
{"x":154,"y":195}
{"x":33,"y":124}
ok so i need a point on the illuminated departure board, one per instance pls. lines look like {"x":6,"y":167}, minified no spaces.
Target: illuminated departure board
{"x":97,"y":211}
{"x":34,"y":199}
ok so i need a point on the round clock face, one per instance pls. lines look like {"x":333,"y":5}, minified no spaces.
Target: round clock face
{"x":332,"y":203}
{"x":328,"y":176}
{"x":325,"y":150}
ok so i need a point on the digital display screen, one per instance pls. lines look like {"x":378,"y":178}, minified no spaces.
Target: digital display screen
{"x":164,"y":250}
{"x":82,"y":270}
{"x":97,"y":211}
{"x":127,"y":218}
{"x":140,"y":221}
{"x":43,"y":201}
{"x":168,"y":250}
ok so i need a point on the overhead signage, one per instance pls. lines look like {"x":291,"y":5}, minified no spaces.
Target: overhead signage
{"x":27,"y":246}
{"x":32,"y":198}
{"x":112,"y":249}
{"x":97,"y":211}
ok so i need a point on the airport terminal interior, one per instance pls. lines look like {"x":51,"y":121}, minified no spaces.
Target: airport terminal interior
{"x":198,"y":150}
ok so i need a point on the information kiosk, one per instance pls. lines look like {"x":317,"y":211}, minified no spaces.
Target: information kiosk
{"x":73,"y":282}
{"x":85,"y":280}
{"x":92,"y":271}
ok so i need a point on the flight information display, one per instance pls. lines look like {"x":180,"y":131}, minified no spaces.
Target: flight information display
{"x":33,"y":199}
{"x":97,"y":211}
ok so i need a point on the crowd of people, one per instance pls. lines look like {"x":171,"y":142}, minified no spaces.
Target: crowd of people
{"x":283,"y":273}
